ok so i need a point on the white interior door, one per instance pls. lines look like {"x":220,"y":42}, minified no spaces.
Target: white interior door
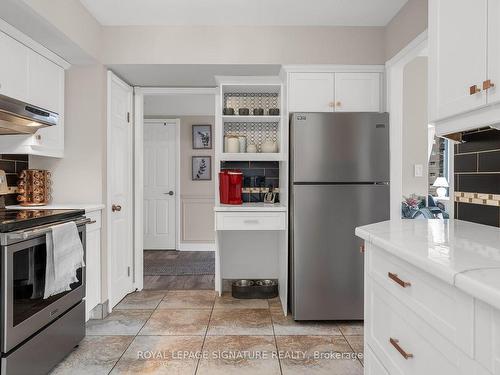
{"x":160,"y":185}
{"x":120,"y":201}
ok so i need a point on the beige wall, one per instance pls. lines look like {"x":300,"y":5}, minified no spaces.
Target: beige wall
{"x":197,"y":197}
{"x":410,"y":21}
{"x":80,"y":177}
{"x":415,"y":129}
{"x":72,"y":19}
{"x":243,"y":45}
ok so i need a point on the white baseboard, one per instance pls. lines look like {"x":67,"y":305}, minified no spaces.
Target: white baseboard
{"x":186,"y":246}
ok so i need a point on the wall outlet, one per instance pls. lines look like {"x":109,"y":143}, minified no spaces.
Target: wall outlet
{"x":419,"y":170}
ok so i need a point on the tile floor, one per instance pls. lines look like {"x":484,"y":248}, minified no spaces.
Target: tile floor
{"x":197,"y":332}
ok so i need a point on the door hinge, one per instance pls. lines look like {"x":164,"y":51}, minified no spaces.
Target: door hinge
{"x":128,"y":117}
{"x":128,"y":271}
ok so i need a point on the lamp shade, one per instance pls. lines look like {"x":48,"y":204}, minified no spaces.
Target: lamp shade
{"x":440,"y":182}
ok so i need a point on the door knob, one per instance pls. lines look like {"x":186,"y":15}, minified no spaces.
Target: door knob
{"x":170,"y":192}
{"x":116,"y":207}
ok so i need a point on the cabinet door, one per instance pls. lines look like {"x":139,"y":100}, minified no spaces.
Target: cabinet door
{"x":357,"y":92}
{"x":93,"y":269}
{"x":13,"y":68}
{"x":44,"y":82}
{"x":372,"y":364}
{"x":457,"y":56}
{"x":46,"y":89}
{"x":311,"y":92}
{"x":494,"y":50}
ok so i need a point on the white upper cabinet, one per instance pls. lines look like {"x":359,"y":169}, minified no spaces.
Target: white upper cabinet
{"x":13,"y":68}
{"x":494,"y":50}
{"x":45,"y":81}
{"x":464,"y":63}
{"x":30,"y":77}
{"x":357,"y":92}
{"x":334,"y":92}
{"x":311,"y":92}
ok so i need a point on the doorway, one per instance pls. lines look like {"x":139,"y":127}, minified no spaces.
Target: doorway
{"x":176,"y":228}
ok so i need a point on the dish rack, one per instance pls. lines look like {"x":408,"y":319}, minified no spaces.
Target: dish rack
{"x":34,"y":187}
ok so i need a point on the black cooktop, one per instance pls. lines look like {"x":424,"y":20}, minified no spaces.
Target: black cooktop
{"x":11,"y":220}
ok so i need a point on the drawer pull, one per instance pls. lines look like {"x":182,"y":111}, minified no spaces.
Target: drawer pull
{"x":397,"y":280}
{"x":395,"y":343}
{"x":251,"y":221}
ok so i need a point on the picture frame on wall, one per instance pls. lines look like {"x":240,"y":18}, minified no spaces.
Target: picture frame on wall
{"x":202,"y":137}
{"x":201,"y":168}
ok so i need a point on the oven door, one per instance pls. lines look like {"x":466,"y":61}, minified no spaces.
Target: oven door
{"x":24,"y":310}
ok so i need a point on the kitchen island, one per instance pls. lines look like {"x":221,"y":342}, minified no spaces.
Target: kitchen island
{"x":432,"y":297}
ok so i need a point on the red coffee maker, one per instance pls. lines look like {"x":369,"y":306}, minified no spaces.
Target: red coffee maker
{"x":230,"y":182}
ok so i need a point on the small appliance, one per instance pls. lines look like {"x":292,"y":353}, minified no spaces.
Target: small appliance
{"x":230,"y":182}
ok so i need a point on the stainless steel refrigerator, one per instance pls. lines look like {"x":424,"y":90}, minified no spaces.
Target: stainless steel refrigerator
{"x":339,"y":179}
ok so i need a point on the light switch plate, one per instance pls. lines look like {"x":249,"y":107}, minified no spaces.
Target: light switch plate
{"x":419,"y":170}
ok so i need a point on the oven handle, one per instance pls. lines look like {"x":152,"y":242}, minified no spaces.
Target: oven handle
{"x":43,"y":229}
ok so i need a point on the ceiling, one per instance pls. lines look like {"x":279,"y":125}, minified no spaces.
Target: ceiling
{"x":187,"y":75}
{"x":244,"y":12}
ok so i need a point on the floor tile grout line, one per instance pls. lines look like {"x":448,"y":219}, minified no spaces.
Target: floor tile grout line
{"x":275,"y":339}
{"x":131,"y":341}
{"x":205,"y":336}
{"x":348,"y":343}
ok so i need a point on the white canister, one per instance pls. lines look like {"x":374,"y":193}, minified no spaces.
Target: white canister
{"x":233,"y":144}
{"x":269,"y":146}
{"x":251,"y":148}
{"x":243,"y":143}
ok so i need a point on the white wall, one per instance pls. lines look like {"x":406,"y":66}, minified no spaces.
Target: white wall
{"x":415,"y":129}
{"x":185,"y":105}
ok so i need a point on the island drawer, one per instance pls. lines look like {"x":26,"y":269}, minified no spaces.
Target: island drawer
{"x":372,"y":365}
{"x":404,"y":343}
{"x":445,"y":308}
{"x":250,"y":220}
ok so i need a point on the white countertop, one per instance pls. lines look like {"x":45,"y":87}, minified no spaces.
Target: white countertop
{"x":258,"y":206}
{"x":460,"y":253}
{"x":88,"y":207}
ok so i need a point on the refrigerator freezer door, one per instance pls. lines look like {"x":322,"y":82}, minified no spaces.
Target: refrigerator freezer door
{"x":327,"y":277}
{"x":340,"y":147}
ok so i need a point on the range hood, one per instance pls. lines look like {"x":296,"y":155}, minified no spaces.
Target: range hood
{"x":17,"y":117}
{"x":460,"y":137}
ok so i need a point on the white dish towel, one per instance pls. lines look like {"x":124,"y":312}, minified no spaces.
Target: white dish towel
{"x":64,"y":257}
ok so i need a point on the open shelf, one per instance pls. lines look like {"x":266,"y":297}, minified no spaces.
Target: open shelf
{"x":237,"y":118}
{"x":250,"y":156}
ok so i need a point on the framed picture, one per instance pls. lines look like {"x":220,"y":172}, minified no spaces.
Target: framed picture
{"x":202,"y":168}
{"x":202,"y":137}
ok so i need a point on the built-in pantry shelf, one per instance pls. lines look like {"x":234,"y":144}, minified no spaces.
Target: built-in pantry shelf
{"x":258,"y":119}
{"x":250,"y":156}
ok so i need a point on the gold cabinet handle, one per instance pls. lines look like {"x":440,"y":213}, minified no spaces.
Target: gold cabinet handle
{"x":338,"y":104}
{"x":394,"y":277}
{"x":395,"y":343}
{"x":488,"y":84}
{"x":474,"y":89}
{"x":362,"y":248}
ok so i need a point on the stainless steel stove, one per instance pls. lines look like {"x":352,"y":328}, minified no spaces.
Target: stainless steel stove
{"x":36,"y":332}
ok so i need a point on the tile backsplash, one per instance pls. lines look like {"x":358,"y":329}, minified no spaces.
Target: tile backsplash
{"x":12,"y":165}
{"x":477,"y":177}
{"x":256,"y":174}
